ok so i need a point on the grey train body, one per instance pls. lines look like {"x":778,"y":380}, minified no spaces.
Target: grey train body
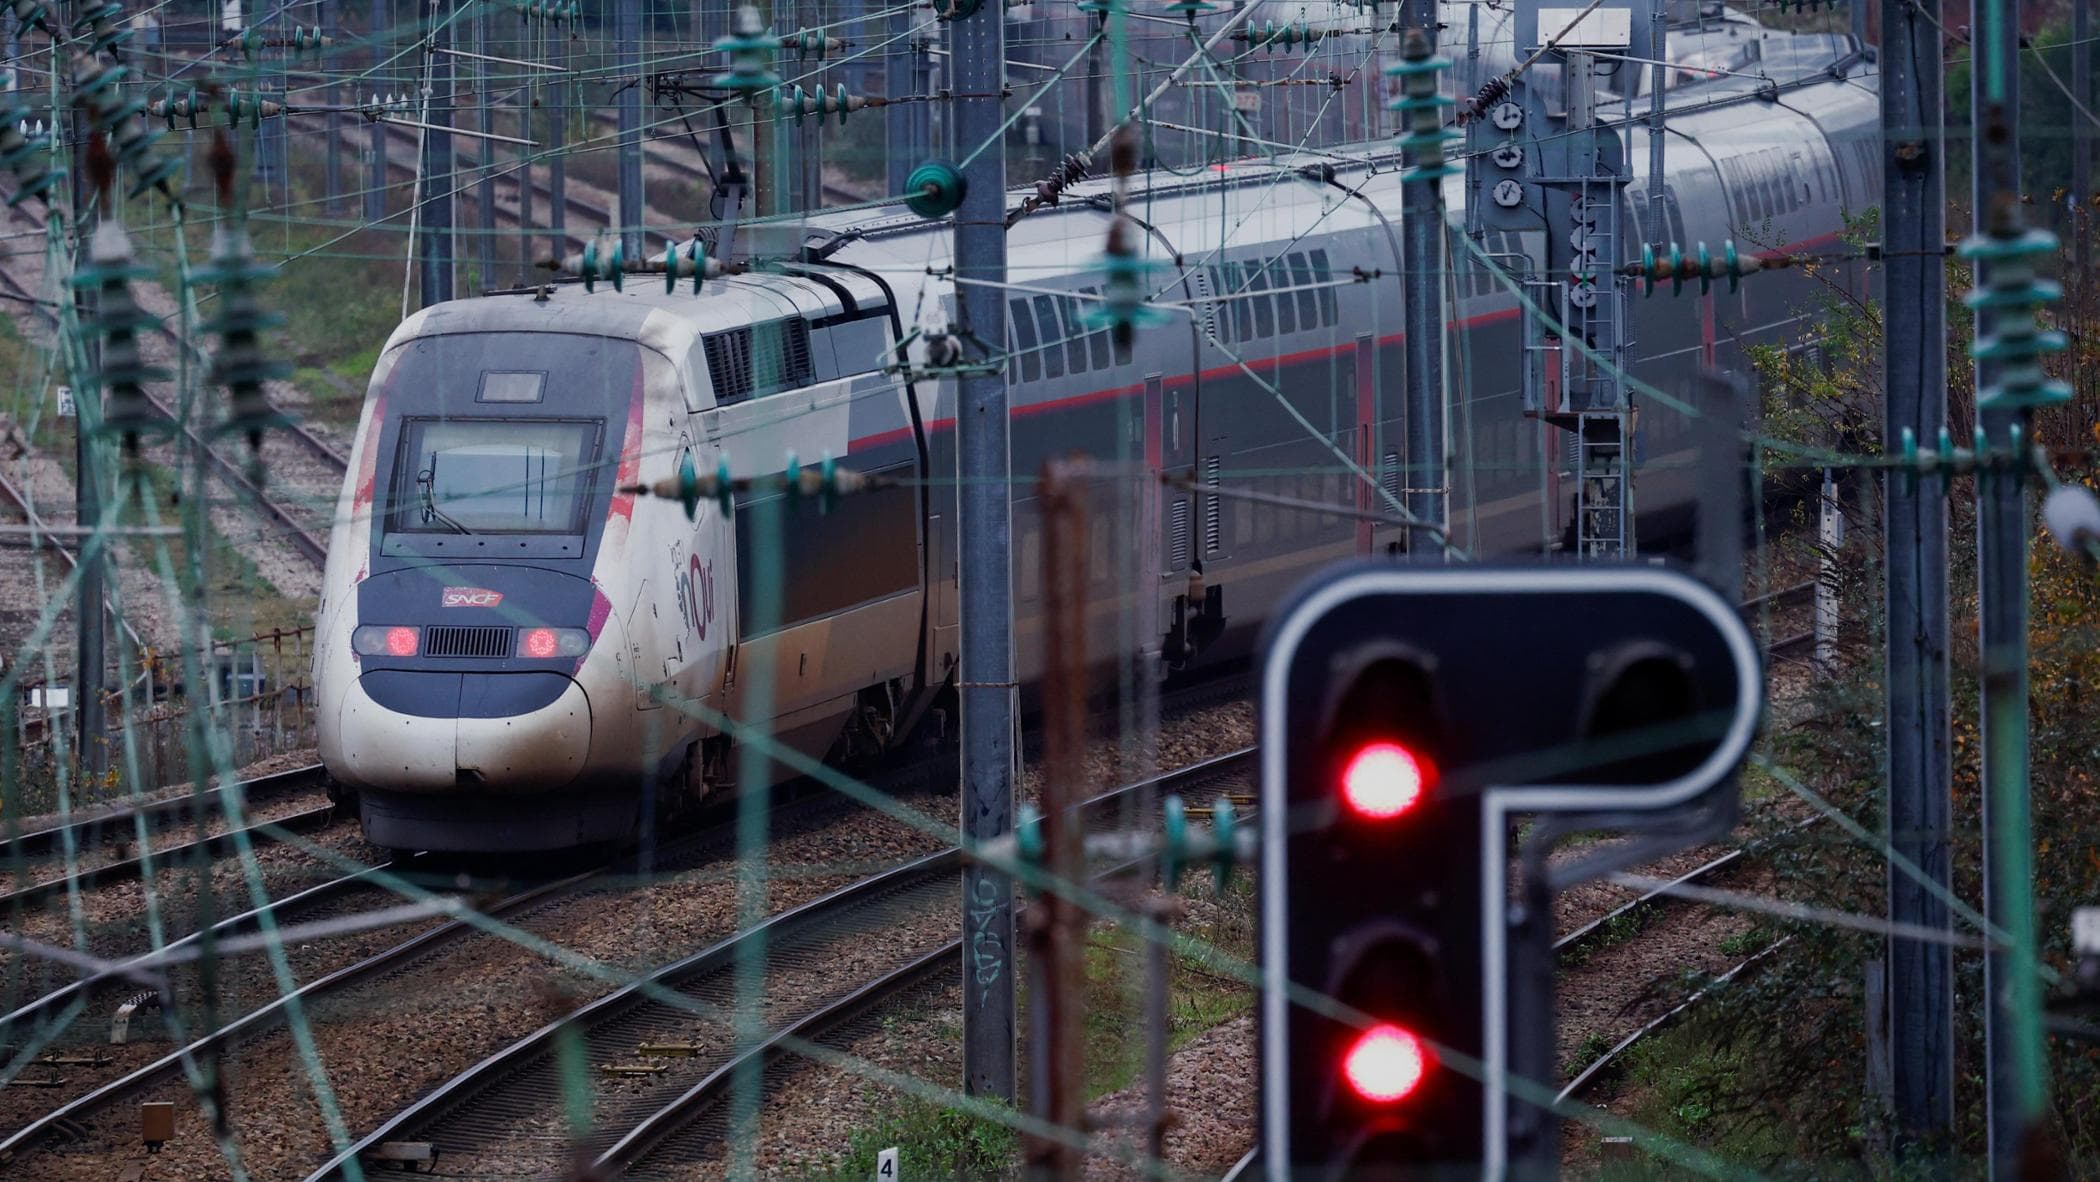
{"x":579,"y":652}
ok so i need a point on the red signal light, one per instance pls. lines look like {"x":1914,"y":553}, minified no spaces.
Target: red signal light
{"x":1383,"y":780}
{"x":401,"y":642}
{"x":1385,"y":1064}
{"x":540,"y":642}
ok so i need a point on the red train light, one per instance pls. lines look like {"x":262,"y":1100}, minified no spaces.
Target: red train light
{"x":1385,"y":1064}
{"x":401,"y":642}
{"x":1383,"y":780}
{"x":539,"y":642}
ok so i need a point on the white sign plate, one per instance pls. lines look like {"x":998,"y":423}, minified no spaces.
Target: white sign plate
{"x":1605,"y":28}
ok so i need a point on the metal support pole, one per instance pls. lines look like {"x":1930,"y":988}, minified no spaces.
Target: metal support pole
{"x":1921,"y":973}
{"x":331,"y":26}
{"x":557,"y":140}
{"x":900,"y":121}
{"x":627,"y":15}
{"x":1097,"y":83}
{"x":1830,"y":538}
{"x":2081,"y":145}
{"x":375,"y":174}
{"x":1422,"y":228}
{"x":2012,"y":1022}
{"x":269,"y":160}
{"x":88,"y":608}
{"x":1056,"y":924}
{"x":528,"y":123}
{"x":1658,"y":227}
{"x":2013,"y":1063}
{"x":485,"y":191}
{"x":436,"y":189}
{"x":977,"y":55}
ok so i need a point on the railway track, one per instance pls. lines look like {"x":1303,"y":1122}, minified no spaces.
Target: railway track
{"x":120,"y":822}
{"x":692,"y":1126}
{"x":429,"y":952}
{"x":102,"y":1026}
{"x":305,"y":533}
{"x":108,"y":832}
{"x":501,"y":1117}
{"x":15,"y":495}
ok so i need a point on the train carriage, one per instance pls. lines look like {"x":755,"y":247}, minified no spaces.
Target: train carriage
{"x":517,"y":653}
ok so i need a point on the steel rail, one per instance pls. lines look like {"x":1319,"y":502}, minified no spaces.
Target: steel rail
{"x":1665,"y":895}
{"x":321,"y":894}
{"x":443,"y":1105}
{"x":656,"y":1130}
{"x":297,"y":430}
{"x":14,"y":495}
{"x":313,"y":548}
{"x":1658,"y":1023}
{"x":260,"y":833}
{"x":793,"y":798}
{"x":53,"y":1123}
{"x":89,"y":827}
{"x":643,"y":1139}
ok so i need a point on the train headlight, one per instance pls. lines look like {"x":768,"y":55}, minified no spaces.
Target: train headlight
{"x":543,"y":643}
{"x":375,"y":640}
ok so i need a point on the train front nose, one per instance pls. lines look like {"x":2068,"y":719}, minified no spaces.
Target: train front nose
{"x":499,"y":774}
{"x":428,"y":731}
{"x":467,"y":725}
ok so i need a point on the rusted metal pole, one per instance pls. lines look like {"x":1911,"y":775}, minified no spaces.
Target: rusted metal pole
{"x":1056,"y":924}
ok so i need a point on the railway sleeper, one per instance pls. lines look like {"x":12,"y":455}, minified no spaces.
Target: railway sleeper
{"x":405,"y":1155}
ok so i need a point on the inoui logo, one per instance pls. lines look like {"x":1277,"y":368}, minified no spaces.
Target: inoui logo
{"x":470,"y":597}
{"x":699,"y":589}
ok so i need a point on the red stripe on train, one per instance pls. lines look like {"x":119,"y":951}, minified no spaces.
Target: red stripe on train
{"x":900,"y":434}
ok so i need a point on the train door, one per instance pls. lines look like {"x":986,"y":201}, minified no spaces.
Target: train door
{"x":1153,"y":511}
{"x":1177,"y":448}
{"x":1359,"y":376}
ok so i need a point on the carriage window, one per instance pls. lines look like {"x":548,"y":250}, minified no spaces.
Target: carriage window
{"x":1674,"y":214}
{"x":1258,"y":295}
{"x":1031,"y":361}
{"x":1053,"y":357}
{"x":1097,"y":340}
{"x":1075,"y":334}
{"x":1329,"y":313}
{"x":1308,"y":301}
{"x":509,"y":476}
{"x":1279,"y":277}
{"x":1236,"y":298}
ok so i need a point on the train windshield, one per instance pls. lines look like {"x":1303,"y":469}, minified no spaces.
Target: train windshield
{"x":490,"y":475}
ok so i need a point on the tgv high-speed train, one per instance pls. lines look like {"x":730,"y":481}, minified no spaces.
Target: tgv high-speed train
{"x":516,"y":652}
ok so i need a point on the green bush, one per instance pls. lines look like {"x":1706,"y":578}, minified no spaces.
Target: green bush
{"x":932,"y":1140}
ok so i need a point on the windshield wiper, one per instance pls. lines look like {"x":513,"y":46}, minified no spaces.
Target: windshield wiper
{"x":426,"y":480}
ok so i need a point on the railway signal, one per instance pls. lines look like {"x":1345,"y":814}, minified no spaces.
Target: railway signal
{"x":1407,"y":714}
{"x":1368,"y":806}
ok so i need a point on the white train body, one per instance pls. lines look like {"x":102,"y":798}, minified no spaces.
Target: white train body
{"x":516,"y":654}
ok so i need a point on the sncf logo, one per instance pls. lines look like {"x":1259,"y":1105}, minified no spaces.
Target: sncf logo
{"x":470,"y":597}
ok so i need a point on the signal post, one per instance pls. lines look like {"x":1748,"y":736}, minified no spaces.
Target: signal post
{"x":1408,"y":716}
